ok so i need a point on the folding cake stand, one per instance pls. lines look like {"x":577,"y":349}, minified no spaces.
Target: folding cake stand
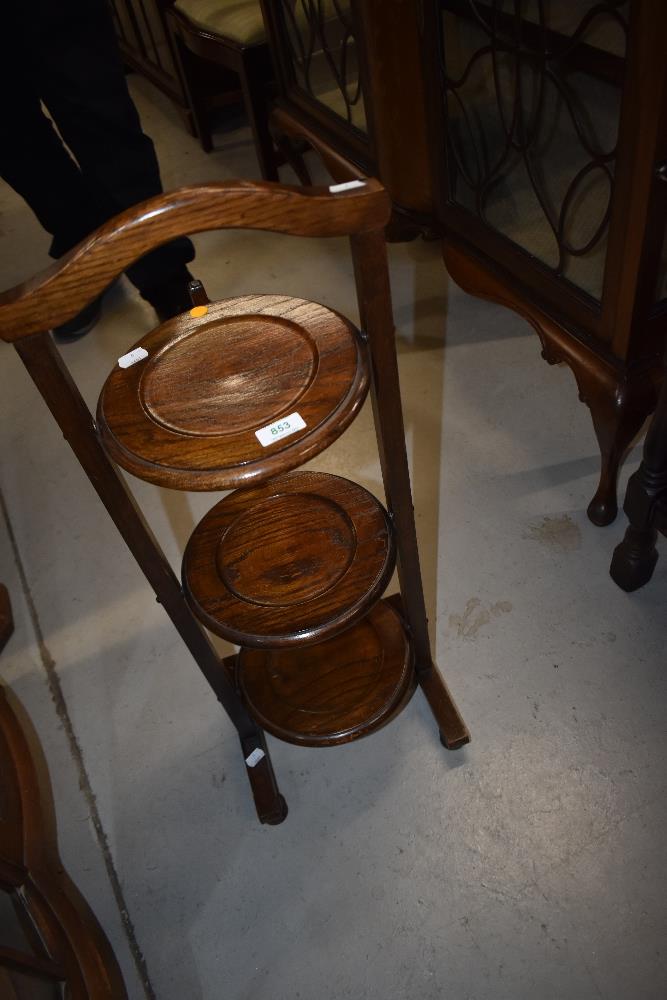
{"x":290,"y":566}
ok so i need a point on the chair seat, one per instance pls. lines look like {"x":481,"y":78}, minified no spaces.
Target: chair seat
{"x":239,"y":20}
{"x":242,"y":21}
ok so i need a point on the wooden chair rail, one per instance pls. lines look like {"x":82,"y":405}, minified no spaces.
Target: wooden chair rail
{"x":62,"y":290}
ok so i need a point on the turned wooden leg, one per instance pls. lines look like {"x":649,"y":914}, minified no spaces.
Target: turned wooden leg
{"x":616,"y":424}
{"x":634,"y":559}
{"x":619,"y":399}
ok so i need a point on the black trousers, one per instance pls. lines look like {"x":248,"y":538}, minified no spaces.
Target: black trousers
{"x":64,"y":53}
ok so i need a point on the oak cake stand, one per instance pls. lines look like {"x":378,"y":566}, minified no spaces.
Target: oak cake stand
{"x":236,"y":395}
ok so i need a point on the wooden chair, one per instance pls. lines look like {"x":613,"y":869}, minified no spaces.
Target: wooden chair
{"x":52,"y":938}
{"x":646,"y":507}
{"x":230,"y":35}
{"x":235,"y":395}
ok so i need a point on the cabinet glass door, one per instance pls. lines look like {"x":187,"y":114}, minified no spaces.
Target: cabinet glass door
{"x":322,"y":53}
{"x":533,"y":96}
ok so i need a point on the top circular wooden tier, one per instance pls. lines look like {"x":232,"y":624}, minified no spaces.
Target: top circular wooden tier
{"x":186,"y":416}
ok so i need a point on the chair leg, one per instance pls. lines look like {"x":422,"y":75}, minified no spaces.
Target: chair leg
{"x":187,"y":66}
{"x":255,"y":78}
{"x":294,"y":157}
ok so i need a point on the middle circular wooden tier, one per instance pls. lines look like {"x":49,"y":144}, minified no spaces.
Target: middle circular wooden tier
{"x":295,"y":561}
{"x":187,"y":415}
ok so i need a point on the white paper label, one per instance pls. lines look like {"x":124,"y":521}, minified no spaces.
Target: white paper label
{"x":254,"y":758}
{"x":138,"y":354}
{"x":280,"y":429}
{"x":347,"y":186}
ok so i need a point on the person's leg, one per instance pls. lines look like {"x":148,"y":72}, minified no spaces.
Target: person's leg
{"x":79,"y":75}
{"x":33,"y":159}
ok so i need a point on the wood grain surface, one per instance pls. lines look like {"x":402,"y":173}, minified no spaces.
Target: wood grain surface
{"x":6,"y":618}
{"x":61,"y":291}
{"x":297,"y":560}
{"x":186,"y":415}
{"x":64,"y":943}
{"x":335,"y":691}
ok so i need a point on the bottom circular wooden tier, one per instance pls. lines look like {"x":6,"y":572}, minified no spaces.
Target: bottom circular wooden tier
{"x":336,"y":691}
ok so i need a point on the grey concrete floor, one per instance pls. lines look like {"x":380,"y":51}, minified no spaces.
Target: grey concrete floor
{"x":530,"y":864}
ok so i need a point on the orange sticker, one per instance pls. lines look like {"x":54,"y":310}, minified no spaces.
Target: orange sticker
{"x":197,"y":311}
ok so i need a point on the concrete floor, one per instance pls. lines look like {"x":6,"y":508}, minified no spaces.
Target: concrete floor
{"x":528,"y":866}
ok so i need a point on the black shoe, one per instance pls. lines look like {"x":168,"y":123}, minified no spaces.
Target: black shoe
{"x":81,"y":324}
{"x":172,"y":297}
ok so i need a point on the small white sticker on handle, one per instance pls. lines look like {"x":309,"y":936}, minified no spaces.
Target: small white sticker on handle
{"x":280,"y":429}
{"x":254,"y":758}
{"x":347,"y":186}
{"x":138,"y":354}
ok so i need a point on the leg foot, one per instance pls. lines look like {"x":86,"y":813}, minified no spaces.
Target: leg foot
{"x":255,"y":80}
{"x":277,"y":818}
{"x":617,"y":420}
{"x":634,"y":559}
{"x":453,"y":731}
{"x":269,"y":803}
{"x":603,"y":508}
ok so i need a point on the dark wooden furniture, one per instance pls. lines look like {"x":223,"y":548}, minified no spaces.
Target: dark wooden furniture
{"x":351,"y":86}
{"x":328,"y":555}
{"x":546,"y":131}
{"x":549,"y":127}
{"x":6,"y":620}
{"x":49,"y":937}
{"x":141,"y":29}
{"x":230,"y":37}
{"x":646,"y":506}
{"x":291,"y":569}
{"x":27,"y":313}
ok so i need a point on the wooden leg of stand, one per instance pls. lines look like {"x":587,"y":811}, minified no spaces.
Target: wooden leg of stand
{"x":260,"y":772}
{"x":52,"y":378}
{"x":270,"y":804}
{"x":373,"y":292}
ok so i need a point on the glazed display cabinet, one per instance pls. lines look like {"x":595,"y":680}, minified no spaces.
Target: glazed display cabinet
{"x":549,"y":145}
{"x":350,"y":85}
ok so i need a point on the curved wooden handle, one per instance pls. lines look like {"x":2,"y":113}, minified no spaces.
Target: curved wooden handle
{"x":62,"y":290}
